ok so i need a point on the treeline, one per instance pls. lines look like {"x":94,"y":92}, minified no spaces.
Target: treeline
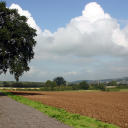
{"x":21,"y":85}
{"x":52,"y":86}
{"x":59,"y":84}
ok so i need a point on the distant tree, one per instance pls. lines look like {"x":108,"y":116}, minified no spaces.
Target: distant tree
{"x":113,"y":83}
{"x":50,"y":84}
{"x":74,"y":86}
{"x":16,"y":42}
{"x":5,"y":84}
{"x":83,"y":85}
{"x":53,"y":84}
{"x":47,"y":83}
{"x":17,"y":84}
{"x":59,"y":80}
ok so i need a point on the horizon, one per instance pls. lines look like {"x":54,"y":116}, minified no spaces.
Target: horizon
{"x":79,"y":80}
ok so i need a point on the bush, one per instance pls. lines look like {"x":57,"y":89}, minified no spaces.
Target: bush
{"x":83,"y":85}
{"x":90,"y":87}
{"x":99,"y":87}
{"x":122,"y":86}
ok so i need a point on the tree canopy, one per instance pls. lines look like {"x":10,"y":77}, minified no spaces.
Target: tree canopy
{"x":84,"y":85}
{"x":16,"y":42}
{"x":51,"y":84}
{"x":59,"y":80}
{"x":113,"y":83}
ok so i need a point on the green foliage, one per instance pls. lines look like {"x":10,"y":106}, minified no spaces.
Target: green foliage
{"x":59,"y":80}
{"x":122,"y":86}
{"x":56,"y":88}
{"x":99,"y":87}
{"x":113,"y":89}
{"x":75,"y":87}
{"x":90,"y":87}
{"x":119,"y":88}
{"x":21,"y":85}
{"x":113,"y":83}
{"x":49,"y":85}
{"x":16,"y":42}
{"x":84,"y":85}
{"x":17,"y":85}
{"x":5,"y":84}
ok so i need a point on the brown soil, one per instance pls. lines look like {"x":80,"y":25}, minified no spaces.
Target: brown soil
{"x":110,"y":107}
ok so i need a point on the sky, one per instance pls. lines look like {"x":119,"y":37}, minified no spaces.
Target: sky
{"x":76,"y":39}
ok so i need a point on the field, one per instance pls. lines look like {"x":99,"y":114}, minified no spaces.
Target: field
{"x":110,"y":107}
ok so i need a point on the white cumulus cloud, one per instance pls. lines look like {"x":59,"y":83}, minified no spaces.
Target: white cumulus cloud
{"x":91,"y":34}
{"x":94,"y":33}
{"x":70,"y":73}
{"x":89,"y":71}
{"x":26,"y":13}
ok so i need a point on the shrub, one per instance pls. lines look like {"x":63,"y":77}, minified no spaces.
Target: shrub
{"x":100,"y":87}
{"x":84,"y":85}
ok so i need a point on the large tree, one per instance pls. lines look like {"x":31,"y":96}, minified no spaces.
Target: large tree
{"x":59,"y":80}
{"x":16,"y":42}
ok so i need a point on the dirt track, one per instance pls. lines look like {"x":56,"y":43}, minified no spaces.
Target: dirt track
{"x":111,"y":107}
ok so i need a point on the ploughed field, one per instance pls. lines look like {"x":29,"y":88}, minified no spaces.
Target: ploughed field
{"x":110,"y":107}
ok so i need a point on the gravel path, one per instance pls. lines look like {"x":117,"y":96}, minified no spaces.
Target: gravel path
{"x":17,"y":115}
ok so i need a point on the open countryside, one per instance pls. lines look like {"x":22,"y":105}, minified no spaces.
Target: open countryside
{"x":69,"y":62}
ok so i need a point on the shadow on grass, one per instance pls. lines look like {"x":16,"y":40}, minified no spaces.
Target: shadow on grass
{"x":25,"y":93}
{"x":2,"y":94}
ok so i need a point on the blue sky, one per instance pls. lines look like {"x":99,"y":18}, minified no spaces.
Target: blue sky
{"x":54,"y":14}
{"x":76,"y":39}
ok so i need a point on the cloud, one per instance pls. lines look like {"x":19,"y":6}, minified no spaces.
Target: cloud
{"x":89,"y":71}
{"x":79,"y":45}
{"x":92,"y":12}
{"x":42,"y":73}
{"x":70,"y":73}
{"x":26,"y":13}
{"x":91,"y":34}
{"x":123,"y":21}
{"x":32,"y":71}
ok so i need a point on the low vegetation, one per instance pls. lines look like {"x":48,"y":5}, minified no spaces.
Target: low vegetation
{"x":59,"y":84}
{"x":119,"y":88}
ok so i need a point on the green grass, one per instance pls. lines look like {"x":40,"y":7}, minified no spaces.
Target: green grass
{"x":113,"y":89}
{"x":85,"y":91}
{"x":123,"y":89}
{"x":119,"y":88}
{"x":74,"y":120}
{"x":27,"y":89}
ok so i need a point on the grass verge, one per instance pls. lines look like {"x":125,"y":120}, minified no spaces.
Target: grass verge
{"x":124,"y":90}
{"x":84,"y":91}
{"x":74,"y":120}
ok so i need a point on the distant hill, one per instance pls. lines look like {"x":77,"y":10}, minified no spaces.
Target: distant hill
{"x":103,"y":80}
{"x":78,"y":81}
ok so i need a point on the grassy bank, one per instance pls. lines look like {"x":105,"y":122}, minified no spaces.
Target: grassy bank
{"x":74,"y":120}
{"x":119,"y":88}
